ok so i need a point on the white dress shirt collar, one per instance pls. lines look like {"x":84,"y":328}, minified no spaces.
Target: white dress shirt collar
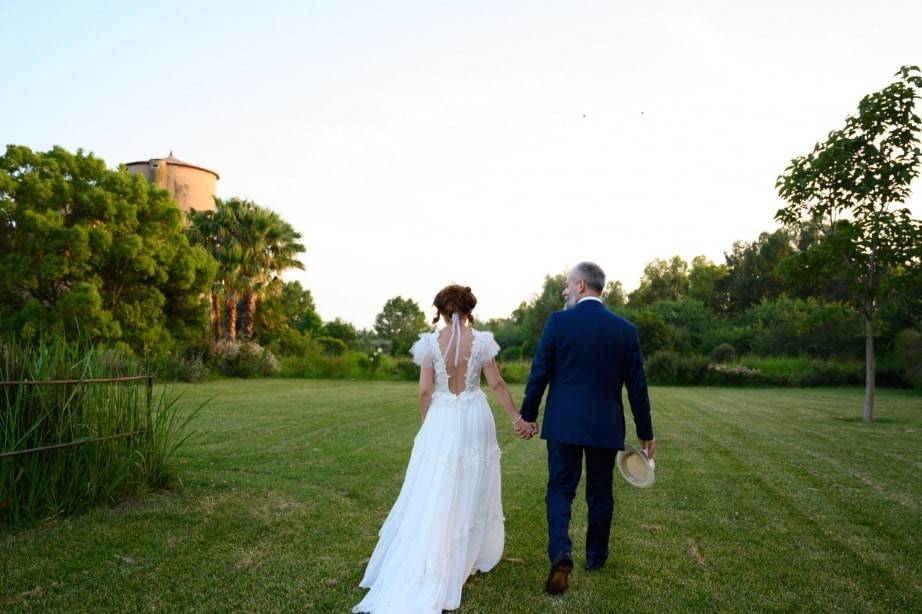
{"x":588,"y":298}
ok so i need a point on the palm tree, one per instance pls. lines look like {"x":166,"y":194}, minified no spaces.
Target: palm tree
{"x":252,"y":246}
{"x":205,"y":230}
{"x":270,"y":246}
{"x":215,"y":231}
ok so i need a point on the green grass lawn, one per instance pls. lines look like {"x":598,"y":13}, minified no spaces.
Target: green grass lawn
{"x":771,"y":499}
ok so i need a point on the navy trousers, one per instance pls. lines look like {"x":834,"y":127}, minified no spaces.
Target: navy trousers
{"x":564,"y":463}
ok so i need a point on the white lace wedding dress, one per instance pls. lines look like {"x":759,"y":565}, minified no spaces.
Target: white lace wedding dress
{"x":447,"y":521}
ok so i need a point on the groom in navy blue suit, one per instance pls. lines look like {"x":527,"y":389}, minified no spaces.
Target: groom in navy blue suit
{"x":586,"y":354}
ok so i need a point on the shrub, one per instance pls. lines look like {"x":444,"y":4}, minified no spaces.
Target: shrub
{"x":515,"y":371}
{"x":331,"y":345}
{"x":189,"y":368}
{"x":290,"y":342}
{"x":908,"y":354}
{"x":244,"y":359}
{"x":317,"y":365}
{"x":802,"y":371}
{"x":668,"y":367}
{"x":723,"y":353}
{"x":739,"y":375}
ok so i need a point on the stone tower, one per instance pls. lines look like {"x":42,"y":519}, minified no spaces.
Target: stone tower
{"x":192,"y":186}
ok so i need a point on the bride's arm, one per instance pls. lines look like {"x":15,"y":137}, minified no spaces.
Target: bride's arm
{"x":501,"y":390}
{"x":426,"y":383}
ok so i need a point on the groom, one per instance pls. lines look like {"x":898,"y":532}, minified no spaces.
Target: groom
{"x":586,"y":354}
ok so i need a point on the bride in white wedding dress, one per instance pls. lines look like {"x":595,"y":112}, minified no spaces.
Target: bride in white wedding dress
{"x":447,"y":521}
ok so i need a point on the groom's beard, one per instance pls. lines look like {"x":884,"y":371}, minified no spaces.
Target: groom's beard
{"x":570,"y":303}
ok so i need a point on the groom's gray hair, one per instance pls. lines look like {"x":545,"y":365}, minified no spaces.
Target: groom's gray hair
{"x":591,"y":273}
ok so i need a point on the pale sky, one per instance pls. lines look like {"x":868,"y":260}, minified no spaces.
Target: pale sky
{"x":415,"y":144}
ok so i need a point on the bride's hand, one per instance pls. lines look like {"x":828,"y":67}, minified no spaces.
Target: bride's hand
{"x":522,"y":428}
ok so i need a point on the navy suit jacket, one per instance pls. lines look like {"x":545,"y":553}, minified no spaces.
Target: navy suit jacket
{"x":587,"y":354}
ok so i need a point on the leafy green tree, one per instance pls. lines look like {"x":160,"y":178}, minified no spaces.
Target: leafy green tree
{"x":655,"y":334}
{"x":400,"y":322}
{"x":508,"y":335}
{"x":793,"y":327}
{"x":752,"y":271}
{"x":531,"y":316}
{"x":662,"y":280}
{"x":613,"y":295}
{"x":290,"y":309}
{"x":340,"y":329}
{"x":688,"y":321}
{"x":703,"y":282}
{"x":853,"y":183}
{"x":297,"y":306}
{"x":84,"y":247}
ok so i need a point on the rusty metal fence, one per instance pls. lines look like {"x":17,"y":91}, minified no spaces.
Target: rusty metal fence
{"x":147,"y":379}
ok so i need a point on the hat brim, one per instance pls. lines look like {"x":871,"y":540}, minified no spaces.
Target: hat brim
{"x":635,"y":467}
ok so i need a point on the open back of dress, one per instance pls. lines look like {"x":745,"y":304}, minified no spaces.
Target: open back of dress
{"x":460,"y":348}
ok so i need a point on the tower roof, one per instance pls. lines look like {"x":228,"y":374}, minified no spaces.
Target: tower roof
{"x":171,"y":159}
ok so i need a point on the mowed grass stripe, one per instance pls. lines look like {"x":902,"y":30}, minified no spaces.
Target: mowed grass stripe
{"x":782,"y":471}
{"x":765,"y":500}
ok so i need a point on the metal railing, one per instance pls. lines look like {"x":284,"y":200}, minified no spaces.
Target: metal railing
{"x":148,"y":379}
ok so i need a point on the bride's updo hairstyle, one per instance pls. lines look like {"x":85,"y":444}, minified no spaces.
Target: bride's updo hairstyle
{"x":455,"y":299}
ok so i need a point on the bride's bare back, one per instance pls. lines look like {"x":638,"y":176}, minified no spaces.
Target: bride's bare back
{"x":457,"y":372}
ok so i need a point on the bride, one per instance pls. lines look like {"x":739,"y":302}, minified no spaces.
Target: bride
{"x":447,"y":521}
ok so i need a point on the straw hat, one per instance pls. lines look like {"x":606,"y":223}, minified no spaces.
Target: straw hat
{"x":636,"y":468}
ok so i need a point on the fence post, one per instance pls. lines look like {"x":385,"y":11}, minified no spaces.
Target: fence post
{"x":150,"y":397}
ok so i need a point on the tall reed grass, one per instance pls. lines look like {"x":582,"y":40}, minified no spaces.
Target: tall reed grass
{"x":135,"y":455}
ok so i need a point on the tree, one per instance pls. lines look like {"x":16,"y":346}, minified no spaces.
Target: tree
{"x":400,"y":322}
{"x":268,"y":246}
{"x":84,"y":247}
{"x":752,"y":271}
{"x":291,"y":309}
{"x":340,"y":329}
{"x":216,"y":232}
{"x":532,"y":316}
{"x":852,"y":183}
{"x":703,"y":280}
{"x":206,"y":231}
{"x":662,"y":280}
{"x":297,"y":304}
{"x":253,"y":247}
{"x":613,"y":295}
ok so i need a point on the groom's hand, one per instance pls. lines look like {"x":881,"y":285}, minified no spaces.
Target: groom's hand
{"x":649,"y":445}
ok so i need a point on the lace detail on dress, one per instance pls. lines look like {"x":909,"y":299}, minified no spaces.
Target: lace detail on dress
{"x":438,"y":362}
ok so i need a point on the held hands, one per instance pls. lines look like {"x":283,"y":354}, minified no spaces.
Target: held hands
{"x":525,"y":430}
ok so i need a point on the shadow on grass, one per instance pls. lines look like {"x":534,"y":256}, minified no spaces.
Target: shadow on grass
{"x":876,"y":420}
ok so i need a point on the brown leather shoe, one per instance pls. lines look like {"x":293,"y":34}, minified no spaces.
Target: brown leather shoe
{"x":560,"y":570}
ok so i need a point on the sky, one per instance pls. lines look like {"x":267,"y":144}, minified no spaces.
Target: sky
{"x":416,"y":144}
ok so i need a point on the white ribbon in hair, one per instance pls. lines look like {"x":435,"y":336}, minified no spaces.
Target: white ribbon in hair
{"x":455,"y":332}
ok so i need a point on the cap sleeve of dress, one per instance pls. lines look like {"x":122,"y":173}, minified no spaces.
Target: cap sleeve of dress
{"x":488,"y":346}
{"x":422,"y":351}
